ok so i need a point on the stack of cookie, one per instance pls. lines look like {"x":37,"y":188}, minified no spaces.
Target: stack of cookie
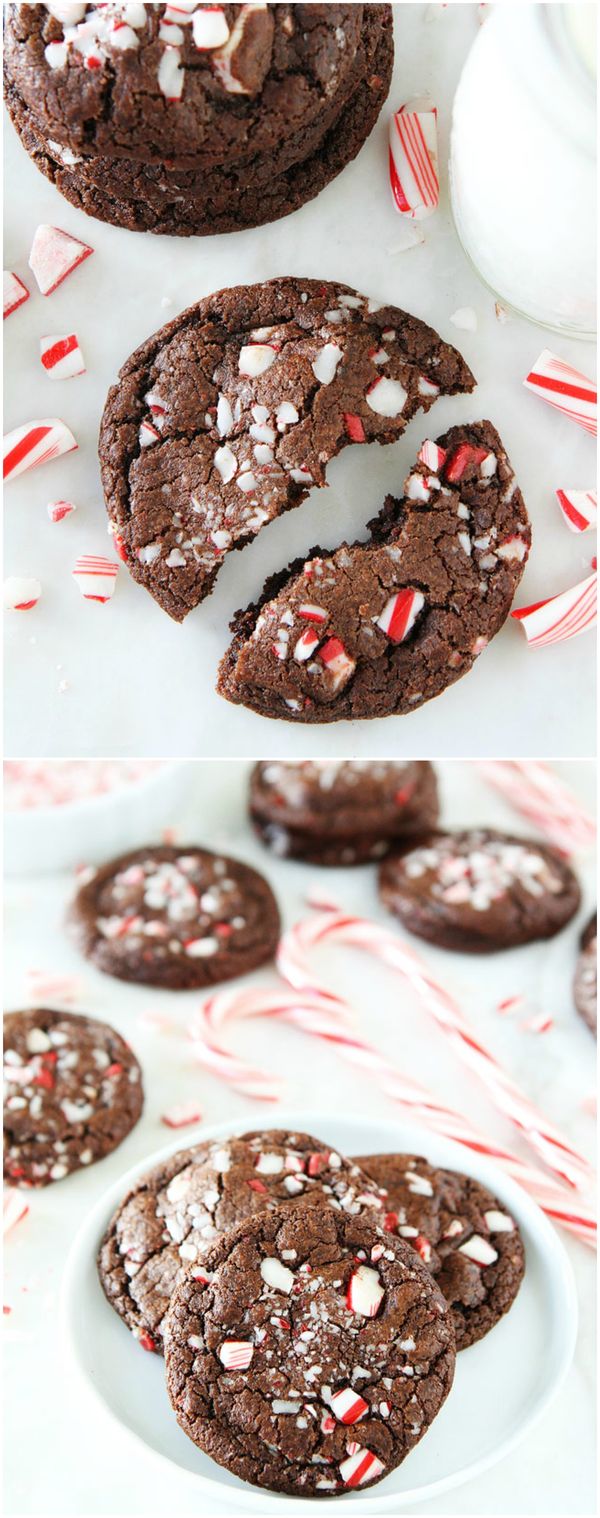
{"x":309,"y":1307}
{"x":192,"y":119}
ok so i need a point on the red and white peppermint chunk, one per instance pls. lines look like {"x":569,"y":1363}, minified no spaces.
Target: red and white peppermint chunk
{"x":514,"y":547}
{"x":354,"y":427}
{"x":171,"y":74}
{"x":311,"y":613}
{"x":148,"y":434}
{"x":348,"y":1406}
{"x":361,"y":1466}
{"x":340,"y":667}
{"x":270,"y":1164}
{"x":57,"y":510}
{"x":95,"y":577}
{"x":14,"y":1208}
{"x":498,"y":1222}
{"x":423,"y":1248}
{"x":387,"y":397}
{"x":209,"y":27}
{"x":236,"y":1354}
{"x":20,"y":593}
{"x":224,"y":64}
{"x":579,"y":509}
{"x":276,"y":1275}
{"x":256,"y":358}
{"x":464,"y":456}
{"x":54,"y":255}
{"x":413,"y":162}
{"x":61,"y":357}
{"x":365,"y":1292}
{"x":15,"y":293}
{"x":479,"y":1250}
{"x":35,"y":443}
{"x":431,"y":455}
{"x":325,"y":364}
{"x":400,"y":614}
{"x":306,"y":644}
{"x":182,"y":1115}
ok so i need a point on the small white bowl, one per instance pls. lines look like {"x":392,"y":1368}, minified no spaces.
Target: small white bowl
{"x":501,"y":1387}
{"x":53,"y":838}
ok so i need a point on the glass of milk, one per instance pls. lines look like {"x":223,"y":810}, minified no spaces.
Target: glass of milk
{"x":523,"y":164}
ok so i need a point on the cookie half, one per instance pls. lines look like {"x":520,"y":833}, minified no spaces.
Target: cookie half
{"x":479,"y":891}
{"x":585,"y":986}
{"x":338,"y":813}
{"x":230,"y":414}
{"x":376,"y":628}
{"x":179,"y":918}
{"x":314,"y":1357}
{"x":73,"y":1091}
{"x":174,"y":1214}
{"x":467,"y":1239}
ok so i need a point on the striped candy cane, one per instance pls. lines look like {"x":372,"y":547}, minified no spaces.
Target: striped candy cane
{"x":338,"y":927}
{"x":565,"y":388}
{"x":536,"y":792}
{"x":566,"y":615}
{"x":579,"y":509}
{"x":324,"y":1015}
{"x":413,"y":162}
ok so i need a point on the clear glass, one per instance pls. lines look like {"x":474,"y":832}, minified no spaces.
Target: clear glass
{"x":523,"y":164}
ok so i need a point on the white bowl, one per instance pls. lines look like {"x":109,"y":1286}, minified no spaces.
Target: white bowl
{"x":502,"y":1384}
{"x":55,"y":838}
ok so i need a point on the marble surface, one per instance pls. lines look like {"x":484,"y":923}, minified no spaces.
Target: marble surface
{"x":69,"y":662}
{"x":58,"y":1471}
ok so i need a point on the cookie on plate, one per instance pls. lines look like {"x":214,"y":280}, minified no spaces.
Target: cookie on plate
{"x":175,"y":1213}
{"x":262,"y":121}
{"x":314,"y":1357}
{"x":345,"y":812}
{"x":222,"y":118}
{"x":585,"y":993}
{"x":179,"y":918}
{"x":229,"y":415}
{"x":479,"y":891}
{"x":376,"y":628}
{"x":462,"y":1233}
{"x":73,"y":1091}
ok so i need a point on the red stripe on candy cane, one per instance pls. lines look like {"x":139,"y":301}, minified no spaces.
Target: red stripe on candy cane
{"x":564,"y":388}
{"x":35,"y":443}
{"x":579,"y":508}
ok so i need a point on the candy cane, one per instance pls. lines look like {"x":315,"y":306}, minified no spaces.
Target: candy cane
{"x":544,"y":1139}
{"x":413,"y":161}
{"x":324,"y":1015}
{"x":565,"y":388}
{"x":556,"y":618}
{"x":537,"y":793}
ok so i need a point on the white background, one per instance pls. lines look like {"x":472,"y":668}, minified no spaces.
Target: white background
{"x":137,"y":682}
{"x":63,"y":1457}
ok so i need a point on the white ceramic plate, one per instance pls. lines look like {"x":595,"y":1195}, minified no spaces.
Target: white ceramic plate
{"x":501,"y":1386}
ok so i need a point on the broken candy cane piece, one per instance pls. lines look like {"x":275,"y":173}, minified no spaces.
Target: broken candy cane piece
{"x":35,"y":443}
{"x":499,"y":1222}
{"x":579,"y":508}
{"x":54,"y":254}
{"x":15,"y":293}
{"x":365,"y":1292}
{"x":276,"y":1275}
{"x":20,"y":594}
{"x":59,"y":509}
{"x":95,"y":577}
{"x":386,"y":397}
{"x":564,"y":388}
{"x":306,"y":645}
{"x":431,"y":455}
{"x":348,"y":1406}
{"x":181,"y":1115}
{"x":339,"y":666}
{"x":236,"y":1354}
{"x":559,"y":617}
{"x":234,"y":57}
{"x":413,"y":162}
{"x":461,"y":458}
{"x":325,"y":364}
{"x":170,"y":73}
{"x":209,"y":28}
{"x":400,"y":614}
{"x":311,"y":613}
{"x":360,"y":1466}
{"x":14,"y":1208}
{"x":61,"y":356}
{"x":256,"y":358}
{"x":479,"y":1250}
{"x":148,"y":434}
{"x":354,"y":427}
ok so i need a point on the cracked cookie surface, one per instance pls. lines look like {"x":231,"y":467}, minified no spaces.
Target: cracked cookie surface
{"x":316,"y":1355}
{"x":229,"y":415}
{"x":175,"y":917}
{"x":478,"y":891}
{"x":376,"y":629}
{"x":332,"y":812}
{"x":73,"y":1091}
{"x":175,"y":1213}
{"x":464,"y":1235}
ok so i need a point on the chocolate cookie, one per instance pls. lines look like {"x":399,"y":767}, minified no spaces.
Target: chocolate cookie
{"x":172,"y":123}
{"x":315,"y":1355}
{"x":73,"y":1091}
{"x":462,"y":1233}
{"x":585,"y":993}
{"x":479,"y":891}
{"x":332,"y":812}
{"x":378,"y":628}
{"x":152,"y":197}
{"x":175,"y":1213}
{"x":230,"y":414}
{"x":179,"y":918}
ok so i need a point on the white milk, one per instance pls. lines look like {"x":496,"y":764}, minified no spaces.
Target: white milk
{"x":522,"y":161}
